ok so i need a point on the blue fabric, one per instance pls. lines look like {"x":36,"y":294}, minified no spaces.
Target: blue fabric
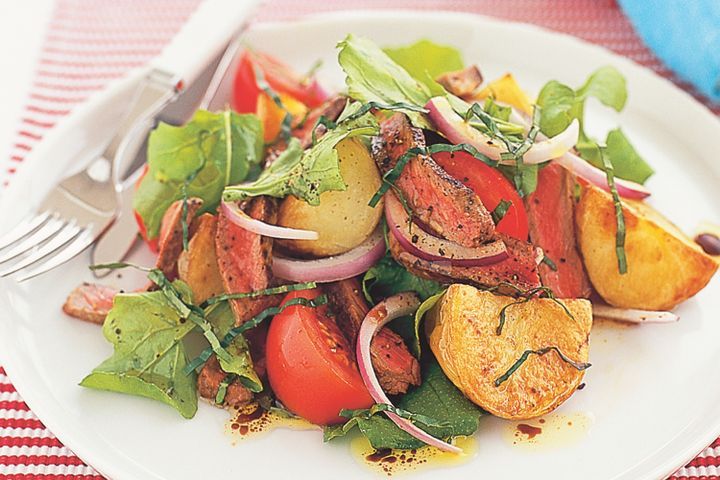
{"x":685,"y":34}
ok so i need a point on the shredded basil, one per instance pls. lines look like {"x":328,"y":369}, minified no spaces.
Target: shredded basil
{"x":548,"y":261}
{"x":528,"y":295}
{"x":500,"y":211}
{"x":222,"y":388}
{"x":542,"y":351}
{"x":260,"y":293}
{"x":619,"y":215}
{"x":253,"y":322}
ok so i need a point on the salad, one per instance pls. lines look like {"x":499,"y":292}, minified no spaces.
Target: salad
{"x":400,"y":258}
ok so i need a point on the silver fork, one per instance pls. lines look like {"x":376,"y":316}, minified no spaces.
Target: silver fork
{"x":79,"y":209}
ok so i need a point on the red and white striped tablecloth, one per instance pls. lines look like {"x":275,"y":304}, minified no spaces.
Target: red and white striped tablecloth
{"x":91,"y":42}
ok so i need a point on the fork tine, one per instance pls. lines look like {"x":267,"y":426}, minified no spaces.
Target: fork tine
{"x":26,"y":226}
{"x":43,"y":233}
{"x":67,"y":233}
{"x":74,"y":248}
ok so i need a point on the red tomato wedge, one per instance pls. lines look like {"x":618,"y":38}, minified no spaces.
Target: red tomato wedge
{"x":280,"y":78}
{"x":310,"y":366}
{"x":491,"y":186}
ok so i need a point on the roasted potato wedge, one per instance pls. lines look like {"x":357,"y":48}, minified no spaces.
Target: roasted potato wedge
{"x":343,"y":219}
{"x":198,"y":265}
{"x":665,"y":267}
{"x":462,"y":332}
{"x":506,"y":89}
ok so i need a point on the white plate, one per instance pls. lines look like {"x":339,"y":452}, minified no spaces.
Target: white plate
{"x":652,"y":396}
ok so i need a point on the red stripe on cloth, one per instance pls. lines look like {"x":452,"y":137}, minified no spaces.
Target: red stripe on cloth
{"x":104,"y":53}
{"x":25,"y":133}
{"x":20,"y":423}
{"x":79,"y":76}
{"x":23,"y":146}
{"x":38,"y":123}
{"x":13,"y":405}
{"x":30,"y":442}
{"x":46,"y":111}
{"x":54,"y":476}
{"x":704,"y":462}
{"x":40,"y":460}
{"x":54,"y":99}
{"x":17,"y":158}
{"x":2,"y":371}
{"x":100,"y":63}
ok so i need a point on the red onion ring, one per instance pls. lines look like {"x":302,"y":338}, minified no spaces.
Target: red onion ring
{"x":243,"y":220}
{"x":458,"y":131}
{"x":331,"y":269}
{"x":389,"y":309}
{"x":429,"y":247}
{"x":597,"y":177}
{"x":630,"y":315}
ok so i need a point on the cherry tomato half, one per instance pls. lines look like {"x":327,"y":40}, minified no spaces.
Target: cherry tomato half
{"x":309,"y":364}
{"x":491,"y":186}
{"x":278,"y":76}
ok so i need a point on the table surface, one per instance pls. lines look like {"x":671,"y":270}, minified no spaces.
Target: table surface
{"x":27,"y":449}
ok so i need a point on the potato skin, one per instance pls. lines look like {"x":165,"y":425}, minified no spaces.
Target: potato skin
{"x":198,"y":265}
{"x":343,"y":219}
{"x":461,"y":330}
{"x":665,"y":267}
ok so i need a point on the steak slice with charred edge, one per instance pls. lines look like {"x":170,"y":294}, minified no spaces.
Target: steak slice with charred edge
{"x":552,"y":228}
{"x":520,"y":269}
{"x":394,"y":365}
{"x":90,"y":302}
{"x":461,"y":83}
{"x":244,"y":262}
{"x":438,"y":200}
{"x":209,"y":380}
{"x":170,"y":240}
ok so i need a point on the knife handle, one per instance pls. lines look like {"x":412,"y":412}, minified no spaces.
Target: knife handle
{"x":205,"y":34}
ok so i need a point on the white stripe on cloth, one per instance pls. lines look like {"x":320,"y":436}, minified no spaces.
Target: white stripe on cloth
{"x":709,"y":471}
{"x":20,"y":469}
{"x":17,"y":414}
{"x":35,"y":451}
{"x":11,"y":432}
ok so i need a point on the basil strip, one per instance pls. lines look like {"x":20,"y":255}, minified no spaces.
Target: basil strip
{"x":253,"y":322}
{"x":500,"y":211}
{"x":286,"y":125}
{"x":619,"y":215}
{"x":260,"y":293}
{"x":528,"y":295}
{"x":222,"y":388}
{"x":523,"y":358}
{"x":548,"y":261}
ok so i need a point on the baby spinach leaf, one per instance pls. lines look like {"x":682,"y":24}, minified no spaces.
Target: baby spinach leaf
{"x":425,"y":60}
{"x":222,"y":319}
{"x":147,"y":335}
{"x":209,"y":152}
{"x":626,"y":162}
{"x":372,"y":76}
{"x":607,"y":85}
{"x":437,"y":398}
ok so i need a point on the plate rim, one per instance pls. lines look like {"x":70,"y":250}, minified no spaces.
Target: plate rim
{"x":76,"y":440}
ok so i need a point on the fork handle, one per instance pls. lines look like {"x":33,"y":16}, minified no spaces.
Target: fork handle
{"x":203,"y":36}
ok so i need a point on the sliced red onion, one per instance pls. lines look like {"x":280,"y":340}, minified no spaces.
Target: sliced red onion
{"x":458,"y":130}
{"x":424,"y":245}
{"x":586,"y":170}
{"x":391,"y":308}
{"x":597,"y":177}
{"x":630,"y":315}
{"x":331,"y":269}
{"x":243,"y":220}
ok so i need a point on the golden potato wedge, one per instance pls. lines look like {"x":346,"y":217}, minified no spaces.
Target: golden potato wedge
{"x":506,"y":89}
{"x":343,"y":219}
{"x":198,"y":265}
{"x":664,"y":267}
{"x":462,"y":333}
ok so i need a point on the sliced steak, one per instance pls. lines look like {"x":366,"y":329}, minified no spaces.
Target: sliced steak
{"x":552,"y":228}
{"x":463,"y":82}
{"x":520,"y":269}
{"x":244,"y":259}
{"x":90,"y":302}
{"x":170,"y":240}
{"x":394,"y":365}
{"x":438,"y":200}
{"x":209,"y":380}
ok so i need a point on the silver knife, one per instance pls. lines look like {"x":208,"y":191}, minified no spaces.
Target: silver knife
{"x":121,"y":236}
